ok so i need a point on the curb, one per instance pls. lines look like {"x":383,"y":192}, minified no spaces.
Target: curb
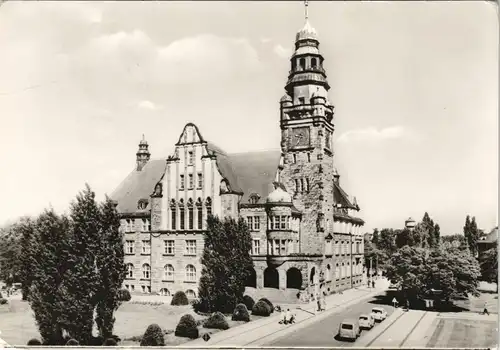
{"x":369,"y":338}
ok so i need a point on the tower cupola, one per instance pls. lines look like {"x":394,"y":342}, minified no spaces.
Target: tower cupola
{"x":143,"y":155}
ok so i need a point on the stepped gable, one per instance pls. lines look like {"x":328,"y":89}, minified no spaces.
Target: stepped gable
{"x":138,"y":185}
{"x":256,"y":172}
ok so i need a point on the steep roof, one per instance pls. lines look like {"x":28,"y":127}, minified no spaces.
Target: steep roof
{"x":490,"y":237}
{"x":256,"y":172}
{"x":341,"y":197}
{"x":225,"y":167}
{"x":138,"y":185}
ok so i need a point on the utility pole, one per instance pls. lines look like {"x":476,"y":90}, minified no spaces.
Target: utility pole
{"x":370,"y":271}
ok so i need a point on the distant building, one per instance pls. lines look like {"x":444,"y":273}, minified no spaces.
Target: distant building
{"x":410,"y":224}
{"x":303,"y":224}
{"x":487,"y":241}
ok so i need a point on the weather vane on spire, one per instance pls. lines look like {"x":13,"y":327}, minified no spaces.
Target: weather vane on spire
{"x":306,"y":3}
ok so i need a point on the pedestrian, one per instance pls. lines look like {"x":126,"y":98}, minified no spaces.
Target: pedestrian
{"x":318,"y":301}
{"x":485,"y":311}
{"x":373,"y":284}
{"x":407,"y":304}
{"x":323,"y":304}
{"x":288,"y":316}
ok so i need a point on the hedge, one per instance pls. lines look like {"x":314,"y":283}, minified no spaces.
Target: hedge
{"x":261,"y":308}
{"x":216,"y":321}
{"x":179,"y":298}
{"x":153,"y":336}
{"x":187,"y":327}
{"x":240,"y":313}
{"x":271,"y":306}
{"x":248,"y":301}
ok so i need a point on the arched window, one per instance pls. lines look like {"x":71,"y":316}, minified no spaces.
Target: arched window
{"x":190,"y":214}
{"x":130,"y":270}
{"x":169,"y":272}
{"x":190,"y":294}
{"x":208,"y":205}
{"x":296,"y":185}
{"x":199,"y":213}
{"x":165,"y":292}
{"x":307,"y":184}
{"x":182,"y":211}
{"x":313,"y":62}
{"x":302,"y":187}
{"x":173,"y":210}
{"x":146,"y":271}
{"x":302,"y":63}
{"x":328,"y":272}
{"x":190,"y":273}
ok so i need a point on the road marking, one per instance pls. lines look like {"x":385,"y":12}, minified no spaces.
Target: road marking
{"x":413,"y":328}
{"x":385,"y":330}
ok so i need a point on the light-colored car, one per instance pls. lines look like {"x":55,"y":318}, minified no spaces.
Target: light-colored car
{"x":349,"y":329}
{"x":366,"y":321}
{"x":379,"y":314}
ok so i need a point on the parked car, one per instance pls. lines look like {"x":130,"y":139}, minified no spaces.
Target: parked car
{"x":349,"y":329}
{"x":366,"y":321}
{"x":394,"y":286}
{"x":379,"y":314}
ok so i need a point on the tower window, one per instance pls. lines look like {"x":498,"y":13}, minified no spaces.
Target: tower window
{"x":182,"y":211}
{"x":190,"y":214}
{"x":309,"y":157}
{"x":302,"y":63}
{"x":294,"y":156}
{"x":190,"y":158}
{"x":302,"y":188}
{"x":302,"y":100}
{"x":181,"y":186}
{"x":174,"y":214}
{"x":199,"y":212}
{"x":307,"y":185}
{"x":313,"y":62}
{"x":296,"y":186}
{"x":190,"y":179}
{"x":200,"y":180}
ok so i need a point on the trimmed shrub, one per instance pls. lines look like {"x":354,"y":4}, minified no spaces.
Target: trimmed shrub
{"x":216,"y":321}
{"x":153,"y":336}
{"x":72,"y":342}
{"x":179,"y":298}
{"x":110,"y":342}
{"x":240,"y":313}
{"x":33,"y":342}
{"x":248,"y":301}
{"x":3,"y":301}
{"x":124,"y":295}
{"x":261,"y":308}
{"x":187,"y":327}
{"x":271,"y":306}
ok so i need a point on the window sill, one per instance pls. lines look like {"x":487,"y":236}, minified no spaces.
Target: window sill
{"x":145,"y":254}
{"x":190,"y":281}
{"x":190,"y":254}
{"x":167,"y":280}
{"x":129,"y":278}
{"x":129,"y":253}
{"x":170,"y":254}
{"x":145,"y":279}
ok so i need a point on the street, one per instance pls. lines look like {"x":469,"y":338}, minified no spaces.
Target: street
{"x":323,"y":333}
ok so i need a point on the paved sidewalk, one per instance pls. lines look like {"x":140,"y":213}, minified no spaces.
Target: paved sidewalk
{"x":260,"y":332}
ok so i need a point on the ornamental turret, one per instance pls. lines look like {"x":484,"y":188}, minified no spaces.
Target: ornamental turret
{"x":143,"y":155}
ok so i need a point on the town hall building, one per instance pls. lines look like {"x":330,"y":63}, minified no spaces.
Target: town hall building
{"x":305,"y":234}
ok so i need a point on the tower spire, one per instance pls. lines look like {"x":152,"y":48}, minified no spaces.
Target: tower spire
{"x":306,"y":4}
{"x":143,"y":155}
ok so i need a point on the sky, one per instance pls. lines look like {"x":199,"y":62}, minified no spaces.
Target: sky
{"x":414,"y":85}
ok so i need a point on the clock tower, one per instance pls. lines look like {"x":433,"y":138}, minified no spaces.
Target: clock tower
{"x":306,"y":121}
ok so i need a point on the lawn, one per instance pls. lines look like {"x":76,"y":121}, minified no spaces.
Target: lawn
{"x":460,"y":333}
{"x":17,"y":323}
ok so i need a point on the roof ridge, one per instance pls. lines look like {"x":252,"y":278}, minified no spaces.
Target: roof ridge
{"x":256,"y":151}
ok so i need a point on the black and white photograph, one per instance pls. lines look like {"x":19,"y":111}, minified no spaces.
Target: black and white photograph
{"x":249,"y":174}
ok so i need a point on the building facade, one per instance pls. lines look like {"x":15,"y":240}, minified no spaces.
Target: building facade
{"x":305,"y":234}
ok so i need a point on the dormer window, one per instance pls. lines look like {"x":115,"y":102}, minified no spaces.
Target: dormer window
{"x":253,"y":198}
{"x":142,"y":204}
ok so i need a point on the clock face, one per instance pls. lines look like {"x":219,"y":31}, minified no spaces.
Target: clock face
{"x":300,"y":137}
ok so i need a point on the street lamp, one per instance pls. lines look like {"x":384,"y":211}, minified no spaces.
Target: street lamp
{"x":350,"y":241}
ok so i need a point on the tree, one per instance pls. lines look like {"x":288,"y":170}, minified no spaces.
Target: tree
{"x":9,"y":253}
{"x":47,"y":262}
{"x":375,"y":237}
{"x":111,"y":266}
{"x":28,"y":246}
{"x":419,"y":270}
{"x":471,"y":234}
{"x":489,"y":265}
{"x":405,"y":237}
{"x":374,"y":257}
{"x":387,"y":241}
{"x":226,"y":264}
{"x":80,"y":281}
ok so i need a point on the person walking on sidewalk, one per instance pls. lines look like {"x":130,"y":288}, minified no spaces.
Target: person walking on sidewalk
{"x":318,"y":301}
{"x":373,"y":284}
{"x":485,"y":311}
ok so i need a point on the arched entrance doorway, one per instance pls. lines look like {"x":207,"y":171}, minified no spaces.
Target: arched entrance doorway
{"x":251,"y":279}
{"x":271,"y":278}
{"x":293,"y":278}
